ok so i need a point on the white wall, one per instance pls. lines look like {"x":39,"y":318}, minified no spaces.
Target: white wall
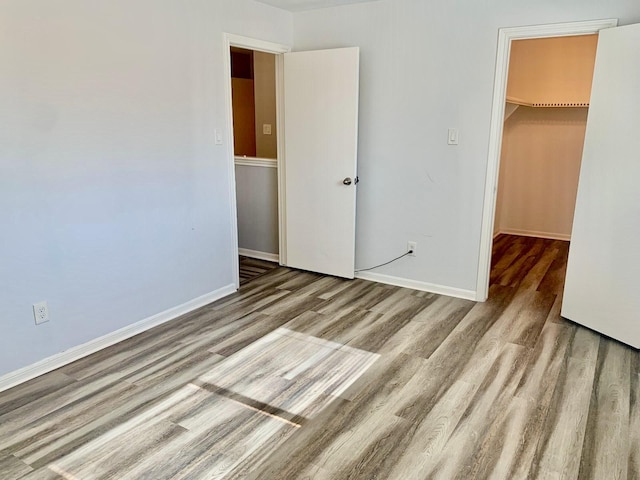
{"x":427,"y":66}
{"x":114,"y":201}
{"x":257,"y":194}
{"x":539,"y":170}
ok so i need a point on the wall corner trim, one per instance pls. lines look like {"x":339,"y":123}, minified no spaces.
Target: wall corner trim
{"x":255,"y":162}
{"x":61,"y":359}
{"x":417,"y":285}
{"x":269,"y":257}
{"x":534,"y":233}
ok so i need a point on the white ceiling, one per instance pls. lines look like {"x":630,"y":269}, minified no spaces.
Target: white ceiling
{"x":300,"y":5}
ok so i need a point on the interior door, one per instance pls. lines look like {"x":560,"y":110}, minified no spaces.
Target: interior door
{"x":321,"y":139}
{"x":601,"y":287}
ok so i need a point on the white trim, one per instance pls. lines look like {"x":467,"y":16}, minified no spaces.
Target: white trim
{"x":233,"y":40}
{"x":417,"y":285}
{"x":505,"y":36}
{"x":233,"y":206}
{"x":517,"y":101}
{"x":269,"y":257}
{"x":229,"y":40}
{"x":533,"y":233}
{"x":58,"y":360}
{"x":256,"y":162}
{"x":282,"y":182}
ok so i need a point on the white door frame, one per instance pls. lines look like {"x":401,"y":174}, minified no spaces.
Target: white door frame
{"x":505,"y":36}
{"x":232,"y":40}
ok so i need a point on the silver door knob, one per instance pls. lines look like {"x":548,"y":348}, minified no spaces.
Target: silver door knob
{"x":347,"y":181}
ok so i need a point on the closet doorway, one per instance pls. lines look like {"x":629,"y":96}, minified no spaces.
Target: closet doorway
{"x":541,"y":98}
{"x":547,"y":101}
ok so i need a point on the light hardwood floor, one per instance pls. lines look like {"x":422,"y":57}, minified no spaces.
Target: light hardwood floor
{"x":304,"y":376}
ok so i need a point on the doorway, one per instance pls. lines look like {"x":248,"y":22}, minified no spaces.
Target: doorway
{"x":317,"y":179}
{"x":505,"y":43}
{"x":254,"y":97}
{"x":254,"y":111}
{"x":548,"y":92}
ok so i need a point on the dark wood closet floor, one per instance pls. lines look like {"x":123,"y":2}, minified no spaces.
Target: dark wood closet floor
{"x":300,"y":375}
{"x":251,"y":268}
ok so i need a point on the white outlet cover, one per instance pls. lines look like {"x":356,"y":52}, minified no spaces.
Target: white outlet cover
{"x":41,"y":312}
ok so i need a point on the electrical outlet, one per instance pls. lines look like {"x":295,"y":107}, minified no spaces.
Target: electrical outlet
{"x":41,"y":312}
{"x":412,"y":247}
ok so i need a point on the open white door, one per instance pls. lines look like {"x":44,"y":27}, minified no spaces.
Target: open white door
{"x":320,"y":147}
{"x":602,"y":285}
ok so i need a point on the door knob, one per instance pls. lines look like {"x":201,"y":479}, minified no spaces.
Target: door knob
{"x":347,"y":181}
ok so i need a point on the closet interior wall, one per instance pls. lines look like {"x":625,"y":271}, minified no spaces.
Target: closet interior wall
{"x":542,"y":142}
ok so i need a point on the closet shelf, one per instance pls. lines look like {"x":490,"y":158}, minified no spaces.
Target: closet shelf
{"x":560,"y":105}
{"x":524,"y":103}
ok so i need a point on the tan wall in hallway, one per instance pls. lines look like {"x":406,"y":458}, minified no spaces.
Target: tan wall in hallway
{"x":244,"y":128}
{"x":264,"y":71}
{"x":539,"y":170}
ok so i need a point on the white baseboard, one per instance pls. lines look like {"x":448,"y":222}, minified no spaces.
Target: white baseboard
{"x":417,"y":285}
{"x":269,"y":257}
{"x":533,"y":233}
{"x":58,"y":360}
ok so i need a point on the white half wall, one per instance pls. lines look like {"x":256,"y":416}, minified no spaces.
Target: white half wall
{"x":426,"y":67}
{"x":114,"y":200}
{"x":257,"y":194}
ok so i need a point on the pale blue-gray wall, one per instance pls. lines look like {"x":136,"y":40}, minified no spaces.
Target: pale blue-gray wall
{"x":257,"y":194}
{"x":426,"y":66}
{"x":114,"y":200}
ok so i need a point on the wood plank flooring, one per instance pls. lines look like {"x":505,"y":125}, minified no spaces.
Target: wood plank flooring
{"x":302,"y":376}
{"x":251,"y":268}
